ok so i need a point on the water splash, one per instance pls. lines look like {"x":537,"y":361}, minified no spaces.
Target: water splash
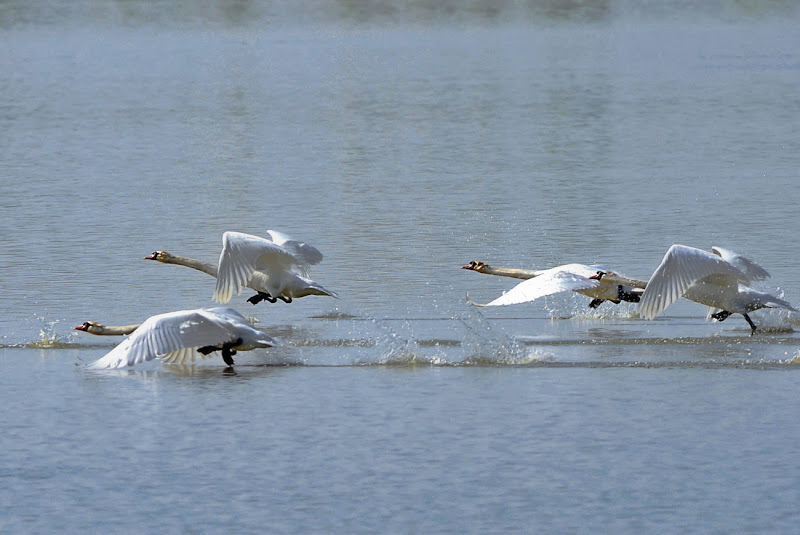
{"x":395,"y":349}
{"x":485,"y":344}
{"x":48,"y":337}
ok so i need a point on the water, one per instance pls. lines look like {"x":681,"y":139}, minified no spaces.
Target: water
{"x":403,"y":140}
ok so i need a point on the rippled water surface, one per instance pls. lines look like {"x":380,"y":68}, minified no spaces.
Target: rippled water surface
{"x":403,"y":140}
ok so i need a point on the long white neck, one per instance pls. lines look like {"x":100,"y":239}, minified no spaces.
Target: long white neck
{"x":511,"y":272}
{"x":112,"y":330}
{"x":193,"y":263}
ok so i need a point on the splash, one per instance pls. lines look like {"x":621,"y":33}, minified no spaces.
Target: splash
{"x":484,"y":344}
{"x":48,"y":338}
{"x":397,"y":350}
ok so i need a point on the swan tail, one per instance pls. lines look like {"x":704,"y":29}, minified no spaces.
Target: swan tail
{"x":318,"y":289}
{"x":473,"y":303}
{"x":774,"y":302}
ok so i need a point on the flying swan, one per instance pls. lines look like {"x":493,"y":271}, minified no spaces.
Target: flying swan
{"x":718,"y":279}
{"x":275,"y":271}
{"x":569,"y":277}
{"x":575,"y":277}
{"x":284,"y":271}
{"x":179,"y":337}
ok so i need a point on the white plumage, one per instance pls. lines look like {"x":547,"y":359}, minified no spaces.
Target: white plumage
{"x":717,"y":279}
{"x":569,"y":277}
{"x":276,"y":267}
{"x":180,"y":337}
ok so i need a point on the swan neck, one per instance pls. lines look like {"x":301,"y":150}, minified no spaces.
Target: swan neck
{"x":193,"y":263}
{"x":115,"y":330}
{"x":512,"y":272}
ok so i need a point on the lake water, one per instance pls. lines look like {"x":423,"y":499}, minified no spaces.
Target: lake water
{"x":403,"y":139}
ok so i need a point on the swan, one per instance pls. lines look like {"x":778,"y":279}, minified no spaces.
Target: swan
{"x":178,"y":337}
{"x":718,"y":279}
{"x":303,"y":256}
{"x":576,"y":277}
{"x":275,"y":271}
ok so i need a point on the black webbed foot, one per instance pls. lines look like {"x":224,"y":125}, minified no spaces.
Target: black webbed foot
{"x":261,"y":296}
{"x":630,"y":297}
{"x":285,"y":299}
{"x":228,"y":352}
{"x":722,"y":315}
{"x":594,"y":303}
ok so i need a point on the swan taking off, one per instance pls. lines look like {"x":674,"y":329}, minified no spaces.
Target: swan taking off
{"x":575,"y":277}
{"x":569,"y":277}
{"x":718,"y":279}
{"x":302,"y":256}
{"x":179,"y":337}
{"x":276,"y":268}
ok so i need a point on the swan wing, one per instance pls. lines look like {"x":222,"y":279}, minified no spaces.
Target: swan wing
{"x":302,"y":251}
{"x":174,"y":336}
{"x":681,"y":267}
{"x":550,"y":282}
{"x":752,"y":271}
{"x":244,"y":254}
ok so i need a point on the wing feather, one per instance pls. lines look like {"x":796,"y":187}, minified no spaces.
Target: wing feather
{"x":242,"y":255}
{"x":174,"y":335}
{"x":304,"y":252}
{"x":551,"y":281}
{"x":752,"y":271}
{"x":681,"y":267}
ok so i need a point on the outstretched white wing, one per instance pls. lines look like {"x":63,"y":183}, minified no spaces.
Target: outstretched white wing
{"x":304,"y":252}
{"x":551,"y":281}
{"x":174,"y":336}
{"x":244,"y":254}
{"x":681,"y":267}
{"x":751,"y":270}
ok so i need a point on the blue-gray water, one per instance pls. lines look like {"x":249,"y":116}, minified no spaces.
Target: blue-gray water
{"x":403,"y":139}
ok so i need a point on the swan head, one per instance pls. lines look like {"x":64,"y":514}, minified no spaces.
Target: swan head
{"x":476,"y":265}
{"x":606,"y":275}
{"x":610,"y":277}
{"x":90,"y":327}
{"x":161,"y":256}
{"x":599,"y":275}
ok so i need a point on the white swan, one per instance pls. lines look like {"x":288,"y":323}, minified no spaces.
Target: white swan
{"x":579,"y":278}
{"x":179,"y":337}
{"x":575,"y":277}
{"x":304,"y":256}
{"x":718,"y":279}
{"x":275,"y":271}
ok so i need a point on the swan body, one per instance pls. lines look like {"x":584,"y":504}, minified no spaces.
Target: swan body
{"x":718,"y":279}
{"x":179,"y":337}
{"x":277,"y":268}
{"x":575,"y":277}
{"x":569,"y":277}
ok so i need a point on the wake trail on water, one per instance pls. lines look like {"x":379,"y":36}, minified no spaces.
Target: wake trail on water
{"x":470,"y":339}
